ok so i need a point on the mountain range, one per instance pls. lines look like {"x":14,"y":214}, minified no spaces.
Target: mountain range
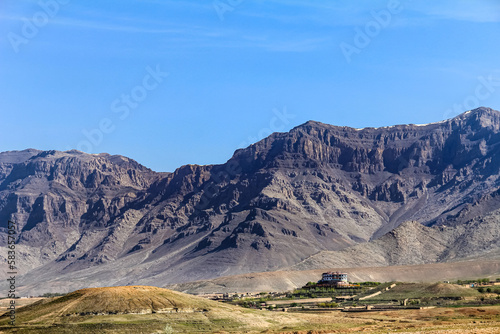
{"x":318,"y":196}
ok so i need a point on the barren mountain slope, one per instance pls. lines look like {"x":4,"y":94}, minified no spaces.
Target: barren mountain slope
{"x":100,"y":220}
{"x":56,"y":198}
{"x":412,"y":243}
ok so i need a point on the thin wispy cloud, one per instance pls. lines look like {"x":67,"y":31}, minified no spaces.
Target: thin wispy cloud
{"x":268,"y":44}
{"x":4,"y":17}
{"x":483,"y":11}
{"x":87,"y":24}
{"x":300,"y":45}
{"x":349,"y":13}
{"x":306,"y":13}
{"x":463,"y":10}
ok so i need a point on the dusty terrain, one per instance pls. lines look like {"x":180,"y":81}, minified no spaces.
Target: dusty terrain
{"x":288,"y":280}
{"x":85,"y":311}
{"x":4,"y":303}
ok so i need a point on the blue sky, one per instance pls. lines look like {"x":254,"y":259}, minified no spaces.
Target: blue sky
{"x":173,"y":82}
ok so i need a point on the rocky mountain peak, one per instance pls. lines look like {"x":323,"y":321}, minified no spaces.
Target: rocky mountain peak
{"x":315,"y":189}
{"x":482,"y":118}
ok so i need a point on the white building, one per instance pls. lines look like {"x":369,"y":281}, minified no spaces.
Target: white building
{"x":334,"y":278}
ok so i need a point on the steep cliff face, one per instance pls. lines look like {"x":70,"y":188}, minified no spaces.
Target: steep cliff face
{"x":317,"y":188}
{"x":55,"y":197}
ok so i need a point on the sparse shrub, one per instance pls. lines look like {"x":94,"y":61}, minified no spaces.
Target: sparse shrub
{"x":488,"y":290}
{"x":294,"y":305}
{"x":168,"y":330}
{"x":329,"y":305}
{"x":368,"y":283}
{"x":52,"y":294}
{"x":480,"y":290}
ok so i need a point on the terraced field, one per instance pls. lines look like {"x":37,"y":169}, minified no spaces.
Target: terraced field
{"x":142,"y":309}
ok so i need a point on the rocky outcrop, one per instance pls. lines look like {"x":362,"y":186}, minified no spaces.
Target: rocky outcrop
{"x":56,"y":198}
{"x":279,"y":203}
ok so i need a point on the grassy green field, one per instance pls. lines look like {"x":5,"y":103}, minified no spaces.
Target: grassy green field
{"x":425,"y":290}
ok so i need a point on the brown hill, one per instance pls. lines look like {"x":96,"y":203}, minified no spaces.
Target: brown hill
{"x":116,"y":300}
{"x":119,"y":300}
{"x":138,"y":309}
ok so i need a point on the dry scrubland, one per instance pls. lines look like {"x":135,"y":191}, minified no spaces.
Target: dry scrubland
{"x":141,"y":309}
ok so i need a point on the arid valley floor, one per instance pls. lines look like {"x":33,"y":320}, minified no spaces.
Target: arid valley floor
{"x":143,"y":309}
